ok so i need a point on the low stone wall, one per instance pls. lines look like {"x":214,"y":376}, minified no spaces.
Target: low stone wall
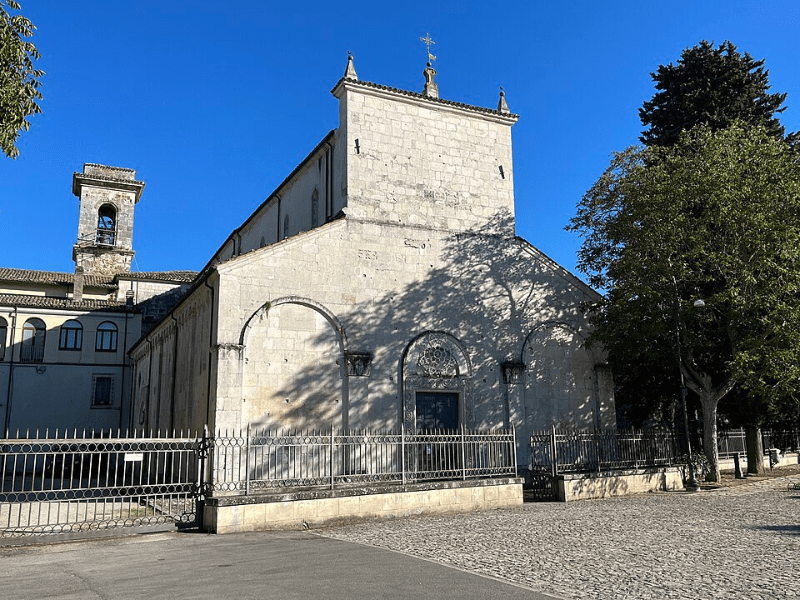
{"x":585,"y":486}
{"x":790,"y":458}
{"x":314,"y":508}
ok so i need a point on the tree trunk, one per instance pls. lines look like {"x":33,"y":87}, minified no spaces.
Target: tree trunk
{"x":755,"y":449}
{"x":700,"y":383}
{"x":709,"y":403}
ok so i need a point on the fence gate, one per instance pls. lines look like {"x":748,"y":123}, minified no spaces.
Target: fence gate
{"x":76,"y":484}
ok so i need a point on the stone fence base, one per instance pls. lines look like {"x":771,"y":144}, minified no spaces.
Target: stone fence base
{"x":790,"y":458}
{"x":585,"y":486}
{"x":315,"y":508}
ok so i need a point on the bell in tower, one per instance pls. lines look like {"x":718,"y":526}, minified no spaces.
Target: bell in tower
{"x":108,"y":196}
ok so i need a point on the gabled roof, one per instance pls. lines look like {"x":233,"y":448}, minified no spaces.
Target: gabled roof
{"x":55,"y":278}
{"x":26,"y":301}
{"x":100,"y":281}
{"x":171,"y":276}
{"x":418,"y":96}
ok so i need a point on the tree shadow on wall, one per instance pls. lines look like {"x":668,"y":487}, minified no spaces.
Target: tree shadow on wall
{"x":486,"y":288}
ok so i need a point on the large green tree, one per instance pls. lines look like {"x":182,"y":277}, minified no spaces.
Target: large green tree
{"x":709,"y":86}
{"x":19,"y":80}
{"x":714,"y":217}
{"x":712,"y":86}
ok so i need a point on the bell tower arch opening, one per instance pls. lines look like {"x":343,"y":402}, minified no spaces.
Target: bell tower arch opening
{"x":106,"y":225}
{"x":108,"y":197}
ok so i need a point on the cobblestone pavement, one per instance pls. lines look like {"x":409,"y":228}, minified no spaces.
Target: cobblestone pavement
{"x":732,"y":543}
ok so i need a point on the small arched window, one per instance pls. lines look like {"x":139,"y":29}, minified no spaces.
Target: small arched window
{"x":106,"y":337}
{"x":286,"y":226}
{"x":107,"y":225}
{"x":3,"y":333}
{"x":71,"y":336}
{"x":33,"y":336}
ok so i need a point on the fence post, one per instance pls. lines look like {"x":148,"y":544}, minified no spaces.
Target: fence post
{"x":403,"y":453}
{"x":247,"y":462}
{"x":597,"y":449}
{"x":514,"y":449}
{"x":204,"y":453}
{"x":331,"y":457}
{"x":554,"y":452}
{"x":463,"y":452}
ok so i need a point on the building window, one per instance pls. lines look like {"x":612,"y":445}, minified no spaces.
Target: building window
{"x":107,"y":225}
{"x":102,"y":390}
{"x":286,"y":226}
{"x":106,"y":337}
{"x":71,"y":335}
{"x":33,"y":336}
{"x":315,"y":208}
{"x":3,"y":332}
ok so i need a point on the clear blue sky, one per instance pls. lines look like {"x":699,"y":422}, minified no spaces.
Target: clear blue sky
{"x":214,"y":103}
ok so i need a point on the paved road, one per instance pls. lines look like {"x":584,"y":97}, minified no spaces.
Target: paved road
{"x":278,"y":566}
{"x":735,"y":543}
{"x":741,"y":543}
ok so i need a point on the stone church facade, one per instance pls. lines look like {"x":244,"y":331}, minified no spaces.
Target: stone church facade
{"x":381,"y":284}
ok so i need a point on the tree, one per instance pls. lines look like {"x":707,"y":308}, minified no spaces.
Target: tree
{"x":715,"y":217}
{"x":19,"y":80}
{"x":713,"y":87}
{"x":710,"y":86}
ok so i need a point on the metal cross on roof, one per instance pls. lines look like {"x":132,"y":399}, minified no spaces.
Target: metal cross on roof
{"x":428,"y":43}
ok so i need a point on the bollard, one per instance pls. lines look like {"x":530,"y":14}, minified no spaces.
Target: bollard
{"x":737,"y":466}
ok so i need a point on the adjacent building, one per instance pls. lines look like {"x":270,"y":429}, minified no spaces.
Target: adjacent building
{"x":65,"y":337}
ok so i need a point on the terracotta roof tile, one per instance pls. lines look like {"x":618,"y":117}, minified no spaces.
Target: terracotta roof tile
{"x":55,"y":278}
{"x":181,"y":276}
{"x":26,"y":301}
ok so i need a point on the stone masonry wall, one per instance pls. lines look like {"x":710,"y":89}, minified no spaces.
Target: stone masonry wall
{"x":384,"y":287}
{"x":416,"y":162}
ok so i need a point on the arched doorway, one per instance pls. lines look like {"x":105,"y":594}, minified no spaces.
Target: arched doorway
{"x":437,"y":391}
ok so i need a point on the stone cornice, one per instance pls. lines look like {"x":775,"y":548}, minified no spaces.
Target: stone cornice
{"x":81,"y":179}
{"x":375,"y":89}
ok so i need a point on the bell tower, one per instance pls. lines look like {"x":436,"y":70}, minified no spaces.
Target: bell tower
{"x":108,"y":196}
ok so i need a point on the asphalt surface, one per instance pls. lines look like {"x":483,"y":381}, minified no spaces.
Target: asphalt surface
{"x":734,"y":543}
{"x":278,"y":566}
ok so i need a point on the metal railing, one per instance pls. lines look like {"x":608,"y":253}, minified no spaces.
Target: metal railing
{"x":272,"y":461}
{"x":575,"y":451}
{"x":80,"y":482}
{"x":31,"y":354}
{"x":733,"y":441}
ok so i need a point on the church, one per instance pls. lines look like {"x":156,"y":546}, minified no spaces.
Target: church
{"x":381,"y":285}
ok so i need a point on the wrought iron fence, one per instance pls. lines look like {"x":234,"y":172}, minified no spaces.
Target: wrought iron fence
{"x":733,"y":441}
{"x":80,"y":482}
{"x":247,"y":461}
{"x":575,"y":451}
